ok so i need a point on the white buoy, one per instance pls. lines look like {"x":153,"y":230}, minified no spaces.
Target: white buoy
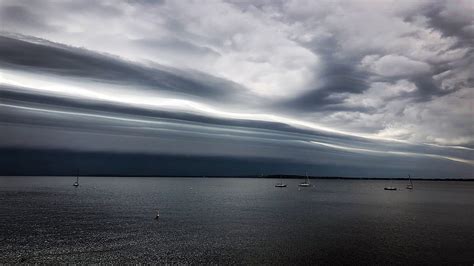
{"x":157,"y":215}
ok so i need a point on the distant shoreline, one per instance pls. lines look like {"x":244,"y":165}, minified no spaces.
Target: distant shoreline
{"x":263,"y":177}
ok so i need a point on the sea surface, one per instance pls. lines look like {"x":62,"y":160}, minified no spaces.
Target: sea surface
{"x":234,"y":221}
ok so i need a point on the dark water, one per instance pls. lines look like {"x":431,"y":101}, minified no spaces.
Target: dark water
{"x":221,"y":220}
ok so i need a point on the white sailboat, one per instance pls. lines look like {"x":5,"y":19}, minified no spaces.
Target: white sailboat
{"x":410,"y":186}
{"x":76,"y":184}
{"x":390,"y":187}
{"x":306,"y":182}
{"x":281,"y":184}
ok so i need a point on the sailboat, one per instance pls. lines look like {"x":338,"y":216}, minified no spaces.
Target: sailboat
{"x":390,"y":187}
{"x":281,"y":184}
{"x":410,"y":186}
{"x":305,"y":183}
{"x":76,"y":184}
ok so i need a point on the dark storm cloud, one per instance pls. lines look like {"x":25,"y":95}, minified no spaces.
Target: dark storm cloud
{"x":336,"y":79}
{"x":53,"y":58}
{"x":25,"y":97}
{"x":428,"y":88}
{"x":353,"y":84}
{"x":89,"y":125}
{"x":44,"y":162}
{"x":441,"y":17}
{"x":18,"y":95}
{"x":337,"y":76}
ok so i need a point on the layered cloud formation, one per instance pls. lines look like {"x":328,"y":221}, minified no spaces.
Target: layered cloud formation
{"x":385,"y":88}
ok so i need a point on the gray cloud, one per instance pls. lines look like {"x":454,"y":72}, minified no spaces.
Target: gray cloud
{"x":96,"y":126}
{"x":19,"y":17}
{"x":452,"y":20}
{"x":325,"y":82}
{"x":51,"y":58}
{"x":337,"y":76}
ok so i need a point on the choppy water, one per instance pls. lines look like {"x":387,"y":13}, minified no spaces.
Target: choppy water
{"x":230,"y":220}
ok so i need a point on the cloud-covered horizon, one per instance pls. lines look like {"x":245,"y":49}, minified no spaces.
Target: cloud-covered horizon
{"x":367,"y":84}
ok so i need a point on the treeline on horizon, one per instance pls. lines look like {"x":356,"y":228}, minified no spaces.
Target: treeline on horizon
{"x":275,"y":176}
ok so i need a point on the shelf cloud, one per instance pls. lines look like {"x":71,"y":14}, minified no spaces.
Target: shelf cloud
{"x":336,"y":87}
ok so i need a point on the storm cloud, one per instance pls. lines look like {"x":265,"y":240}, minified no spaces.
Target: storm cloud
{"x":336,"y":87}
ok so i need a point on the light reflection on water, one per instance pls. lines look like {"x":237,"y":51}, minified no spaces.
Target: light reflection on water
{"x":232,"y":220}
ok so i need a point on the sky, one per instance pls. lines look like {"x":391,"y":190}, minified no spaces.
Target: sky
{"x":328,"y":88}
